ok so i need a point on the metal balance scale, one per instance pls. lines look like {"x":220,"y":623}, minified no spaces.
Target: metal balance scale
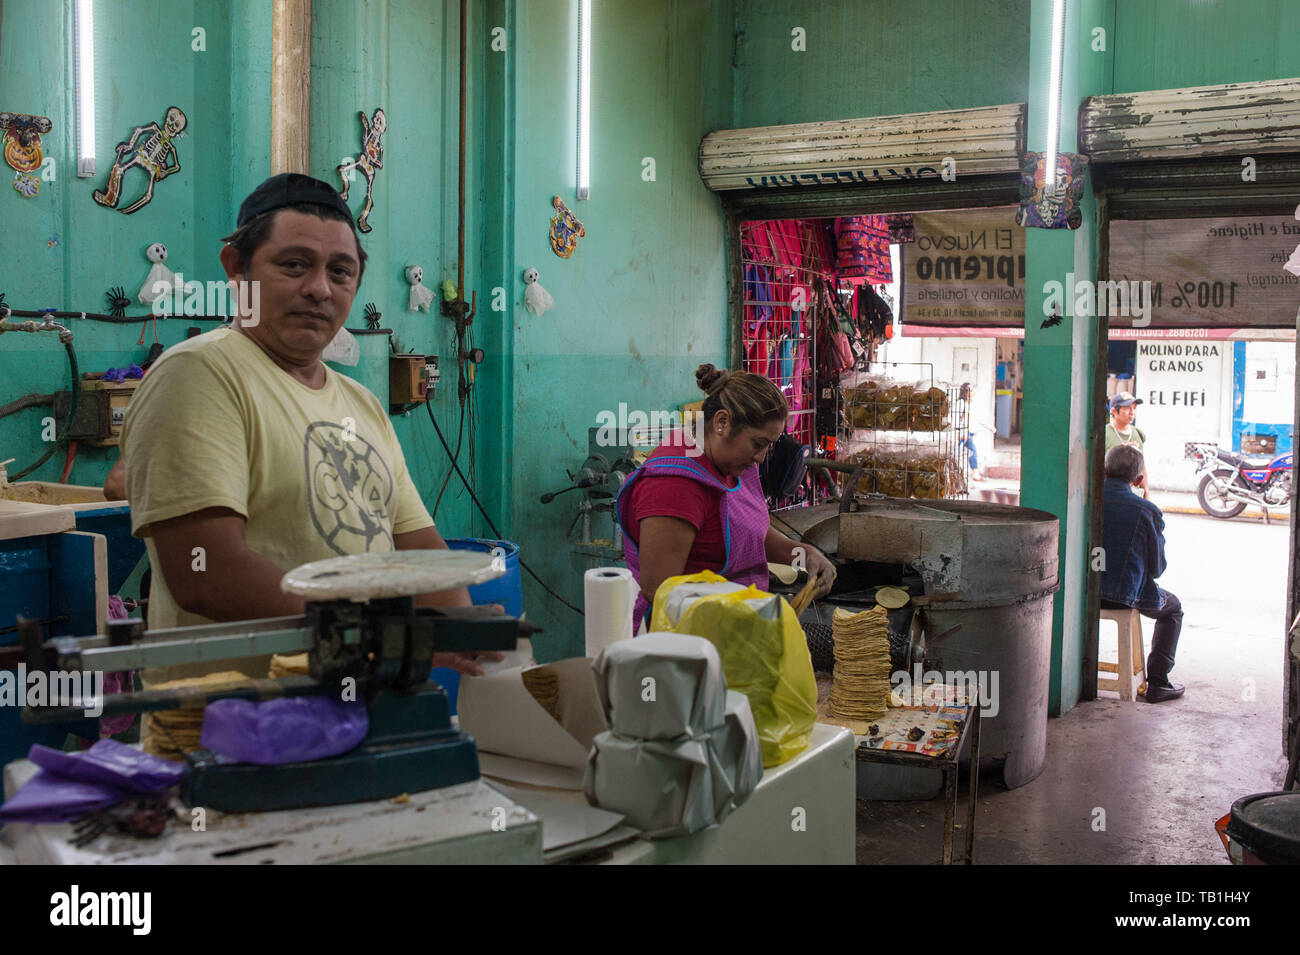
{"x":360,"y":625}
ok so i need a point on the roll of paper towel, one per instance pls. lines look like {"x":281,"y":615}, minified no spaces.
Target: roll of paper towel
{"x":609,"y":593}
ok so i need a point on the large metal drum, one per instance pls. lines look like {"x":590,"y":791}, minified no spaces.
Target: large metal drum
{"x":999,"y":564}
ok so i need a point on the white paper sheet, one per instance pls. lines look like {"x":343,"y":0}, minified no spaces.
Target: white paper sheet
{"x":518,"y":739}
{"x":528,"y":771}
{"x":564,"y":821}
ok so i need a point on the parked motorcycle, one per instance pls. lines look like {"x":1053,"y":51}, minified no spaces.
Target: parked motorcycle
{"x":1230,"y":481}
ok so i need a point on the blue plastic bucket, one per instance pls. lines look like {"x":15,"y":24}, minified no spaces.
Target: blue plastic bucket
{"x":24,"y":583}
{"x":507,"y":590}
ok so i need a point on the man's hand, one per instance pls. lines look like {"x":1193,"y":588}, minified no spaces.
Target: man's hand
{"x":468,"y":662}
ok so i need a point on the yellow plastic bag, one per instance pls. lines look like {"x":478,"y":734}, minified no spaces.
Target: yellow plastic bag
{"x":764,"y":655}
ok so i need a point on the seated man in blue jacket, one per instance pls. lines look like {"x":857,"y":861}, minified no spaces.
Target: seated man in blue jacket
{"x":1133,"y":535}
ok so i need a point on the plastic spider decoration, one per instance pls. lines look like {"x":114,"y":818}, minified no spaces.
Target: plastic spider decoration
{"x":144,"y":817}
{"x":117,"y":301}
{"x":373,"y":315}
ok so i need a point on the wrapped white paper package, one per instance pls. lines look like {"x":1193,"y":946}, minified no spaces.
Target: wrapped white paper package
{"x":663,"y":788}
{"x":678,"y":787}
{"x":738,"y":754}
{"x":681,"y":597}
{"x":686,"y":695}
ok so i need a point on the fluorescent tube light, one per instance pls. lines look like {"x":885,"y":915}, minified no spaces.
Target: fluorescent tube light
{"x":85,"y":41}
{"x":1054,"y":94}
{"x":584,"y":99}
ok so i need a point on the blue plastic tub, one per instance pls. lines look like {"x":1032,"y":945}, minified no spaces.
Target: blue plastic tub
{"x":24,"y":582}
{"x":507,"y":590}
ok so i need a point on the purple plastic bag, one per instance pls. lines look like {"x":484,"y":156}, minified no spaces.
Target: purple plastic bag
{"x":50,"y":798}
{"x":110,"y":763}
{"x":287,"y":730}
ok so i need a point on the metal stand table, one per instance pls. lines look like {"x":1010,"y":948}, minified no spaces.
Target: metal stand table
{"x":949,"y":766}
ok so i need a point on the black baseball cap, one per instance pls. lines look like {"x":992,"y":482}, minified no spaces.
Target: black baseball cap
{"x":290,"y":189}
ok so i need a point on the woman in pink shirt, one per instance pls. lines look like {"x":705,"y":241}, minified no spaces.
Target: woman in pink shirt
{"x":700,"y":506}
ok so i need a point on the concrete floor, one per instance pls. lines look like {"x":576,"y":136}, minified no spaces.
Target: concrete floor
{"x":1160,"y":774}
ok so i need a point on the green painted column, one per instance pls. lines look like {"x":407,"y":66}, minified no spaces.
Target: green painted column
{"x":1059,"y":360}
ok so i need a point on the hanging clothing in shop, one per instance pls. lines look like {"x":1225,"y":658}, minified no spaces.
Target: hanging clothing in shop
{"x":874,"y":316}
{"x":759,"y":345}
{"x":834,"y":352}
{"x":902,"y":228}
{"x":862,"y":249}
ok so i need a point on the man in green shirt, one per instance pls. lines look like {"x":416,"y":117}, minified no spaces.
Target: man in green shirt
{"x":1121,"y":429}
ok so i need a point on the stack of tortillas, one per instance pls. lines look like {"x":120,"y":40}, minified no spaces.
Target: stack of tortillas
{"x":544,"y":685}
{"x":283,"y":665}
{"x":173,"y":733}
{"x":860,"y":691}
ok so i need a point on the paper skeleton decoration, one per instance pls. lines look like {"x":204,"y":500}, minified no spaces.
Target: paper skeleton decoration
{"x":565,"y":230}
{"x":369,"y":162}
{"x":420,"y":296}
{"x":1058,"y":207}
{"x":151,"y":148}
{"x":536,"y":298}
{"x":23,"y":150}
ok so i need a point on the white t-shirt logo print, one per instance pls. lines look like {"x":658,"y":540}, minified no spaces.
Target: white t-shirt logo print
{"x":349,"y":489}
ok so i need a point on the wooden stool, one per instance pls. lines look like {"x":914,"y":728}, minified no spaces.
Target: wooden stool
{"x":1132,"y":655}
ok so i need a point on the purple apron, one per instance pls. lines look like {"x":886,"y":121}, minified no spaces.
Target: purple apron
{"x":743,"y":511}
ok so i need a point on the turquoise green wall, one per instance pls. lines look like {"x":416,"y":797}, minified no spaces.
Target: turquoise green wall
{"x":1058,"y":387}
{"x":1165,"y":44}
{"x":877,"y":58}
{"x":61,"y":249}
{"x":403,"y":56}
{"x":643,"y":300}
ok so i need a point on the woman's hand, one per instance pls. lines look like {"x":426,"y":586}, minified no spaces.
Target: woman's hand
{"x":815,"y":562}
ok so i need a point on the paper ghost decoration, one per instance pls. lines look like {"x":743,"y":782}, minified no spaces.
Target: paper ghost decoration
{"x":161,"y":280}
{"x":420,"y":296}
{"x":536,"y":298}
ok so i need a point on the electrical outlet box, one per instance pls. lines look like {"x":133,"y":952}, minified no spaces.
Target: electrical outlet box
{"x":101,"y":409}
{"x":408,"y":381}
{"x":431,"y":372}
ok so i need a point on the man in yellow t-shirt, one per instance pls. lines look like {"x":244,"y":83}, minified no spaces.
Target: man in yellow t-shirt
{"x":246,"y":456}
